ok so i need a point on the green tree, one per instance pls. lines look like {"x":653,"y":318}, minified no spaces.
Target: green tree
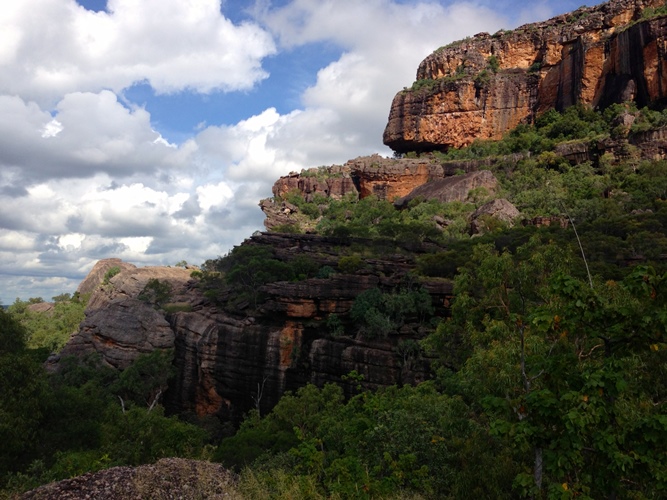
{"x":23,"y":392}
{"x":145,"y":380}
{"x":156,"y":292}
{"x":566,"y":374}
{"x":12,"y":334}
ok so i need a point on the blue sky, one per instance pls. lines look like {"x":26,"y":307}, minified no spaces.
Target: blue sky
{"x":150,"y":129}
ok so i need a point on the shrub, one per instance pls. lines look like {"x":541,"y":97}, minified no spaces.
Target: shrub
{"x":350,"y":264}
{"x":110,"y":274}
{"x":493,"y":63}
{"x":156,"y":292}
{"x":325,"y":272}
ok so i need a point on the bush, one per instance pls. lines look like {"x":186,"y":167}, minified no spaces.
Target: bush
{"x":110,"y":274}
{"x":156,"y":292}
{"x":350,"y":264}
{"x":378,"y":314}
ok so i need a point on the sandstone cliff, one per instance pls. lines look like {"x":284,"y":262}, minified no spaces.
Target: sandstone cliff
{"x":119,"y":325}
{"x":481,"y":87}
{"x":231,"y":361}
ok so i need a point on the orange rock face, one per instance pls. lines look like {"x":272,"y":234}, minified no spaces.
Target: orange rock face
{"x":388,"y":178}
{"x":482,"y":87}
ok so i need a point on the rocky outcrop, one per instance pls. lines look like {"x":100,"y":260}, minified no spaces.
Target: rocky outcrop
{"x":41,"y":308}
{"x":167,"y":478}
{"x":480,"y":88}
{"x":652,"y":143}
{"x":455,"y":188}
{"x":231,"y":360}
{"x":385,"y":178}
{"x":499,"y":209}
{"x":391,"y":178}
{"x":121,"y":322}
{"x":330,"y":182}
{"x":98,"y":272}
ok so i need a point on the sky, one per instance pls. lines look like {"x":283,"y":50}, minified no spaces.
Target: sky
{"x":149,"y":130}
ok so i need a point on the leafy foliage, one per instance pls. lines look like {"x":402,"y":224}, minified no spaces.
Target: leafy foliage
{"x":156,"y":292}
{"x":110,"y":274}
{"x":62,"y":425}
{"x":378,"y":314}
{"x":246,"y":268}
{"x":375,"y":445}
{"x":51,"y":330}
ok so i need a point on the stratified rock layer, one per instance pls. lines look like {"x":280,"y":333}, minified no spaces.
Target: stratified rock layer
{"x":482,"y":87}
{"x":231,"y":361}
{"x":117,"y":324}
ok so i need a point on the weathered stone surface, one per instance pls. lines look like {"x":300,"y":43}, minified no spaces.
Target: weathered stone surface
{"x":117,"y":324}
{"x":588,"y":56}
{"x":280,"y":213}
{"x":97,"y":273}
{"x":652,"y":143}
{"x":167,"y":478}
{"x":386,"y":178}
{"x":391,"y":178}
{"x":575,"y":152}
{"x":499,"y":209}
{"x":336,"y":184}
{"x":41,"y":307}
{"x":455,"y":188}
{"x":229,"y":362}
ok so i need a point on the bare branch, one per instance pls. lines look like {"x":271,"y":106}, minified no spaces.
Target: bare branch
{"x":582,"y":355}
{"x":155,"y":400}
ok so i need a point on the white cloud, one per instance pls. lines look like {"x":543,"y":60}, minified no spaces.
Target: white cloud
{"x":52,"y":129}
{"x":345,"y":111}
{"x":90,"y":133}
{"x":54,"y":47}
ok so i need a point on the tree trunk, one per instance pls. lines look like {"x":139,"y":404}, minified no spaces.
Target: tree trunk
{"x":538,"y":469}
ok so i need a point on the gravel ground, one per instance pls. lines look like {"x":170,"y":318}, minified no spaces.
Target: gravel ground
{"x":169,"y":478}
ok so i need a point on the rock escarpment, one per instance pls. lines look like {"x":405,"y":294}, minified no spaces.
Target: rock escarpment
{"x":229,"y":361}
{"x":121,"y":322}
{"x":481,"y":87}
{"x":453,"y":188}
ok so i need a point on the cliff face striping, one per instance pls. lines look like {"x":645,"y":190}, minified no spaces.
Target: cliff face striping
{"x":482,"y":87}
{"x":229,"y":362}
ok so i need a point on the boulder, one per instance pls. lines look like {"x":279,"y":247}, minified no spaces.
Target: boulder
{"x":499,"y":209}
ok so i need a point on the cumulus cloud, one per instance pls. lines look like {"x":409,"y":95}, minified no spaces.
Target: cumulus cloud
{"x":85,"y":134}
{"x":54,"y":47}
{"x":344,"y":113}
